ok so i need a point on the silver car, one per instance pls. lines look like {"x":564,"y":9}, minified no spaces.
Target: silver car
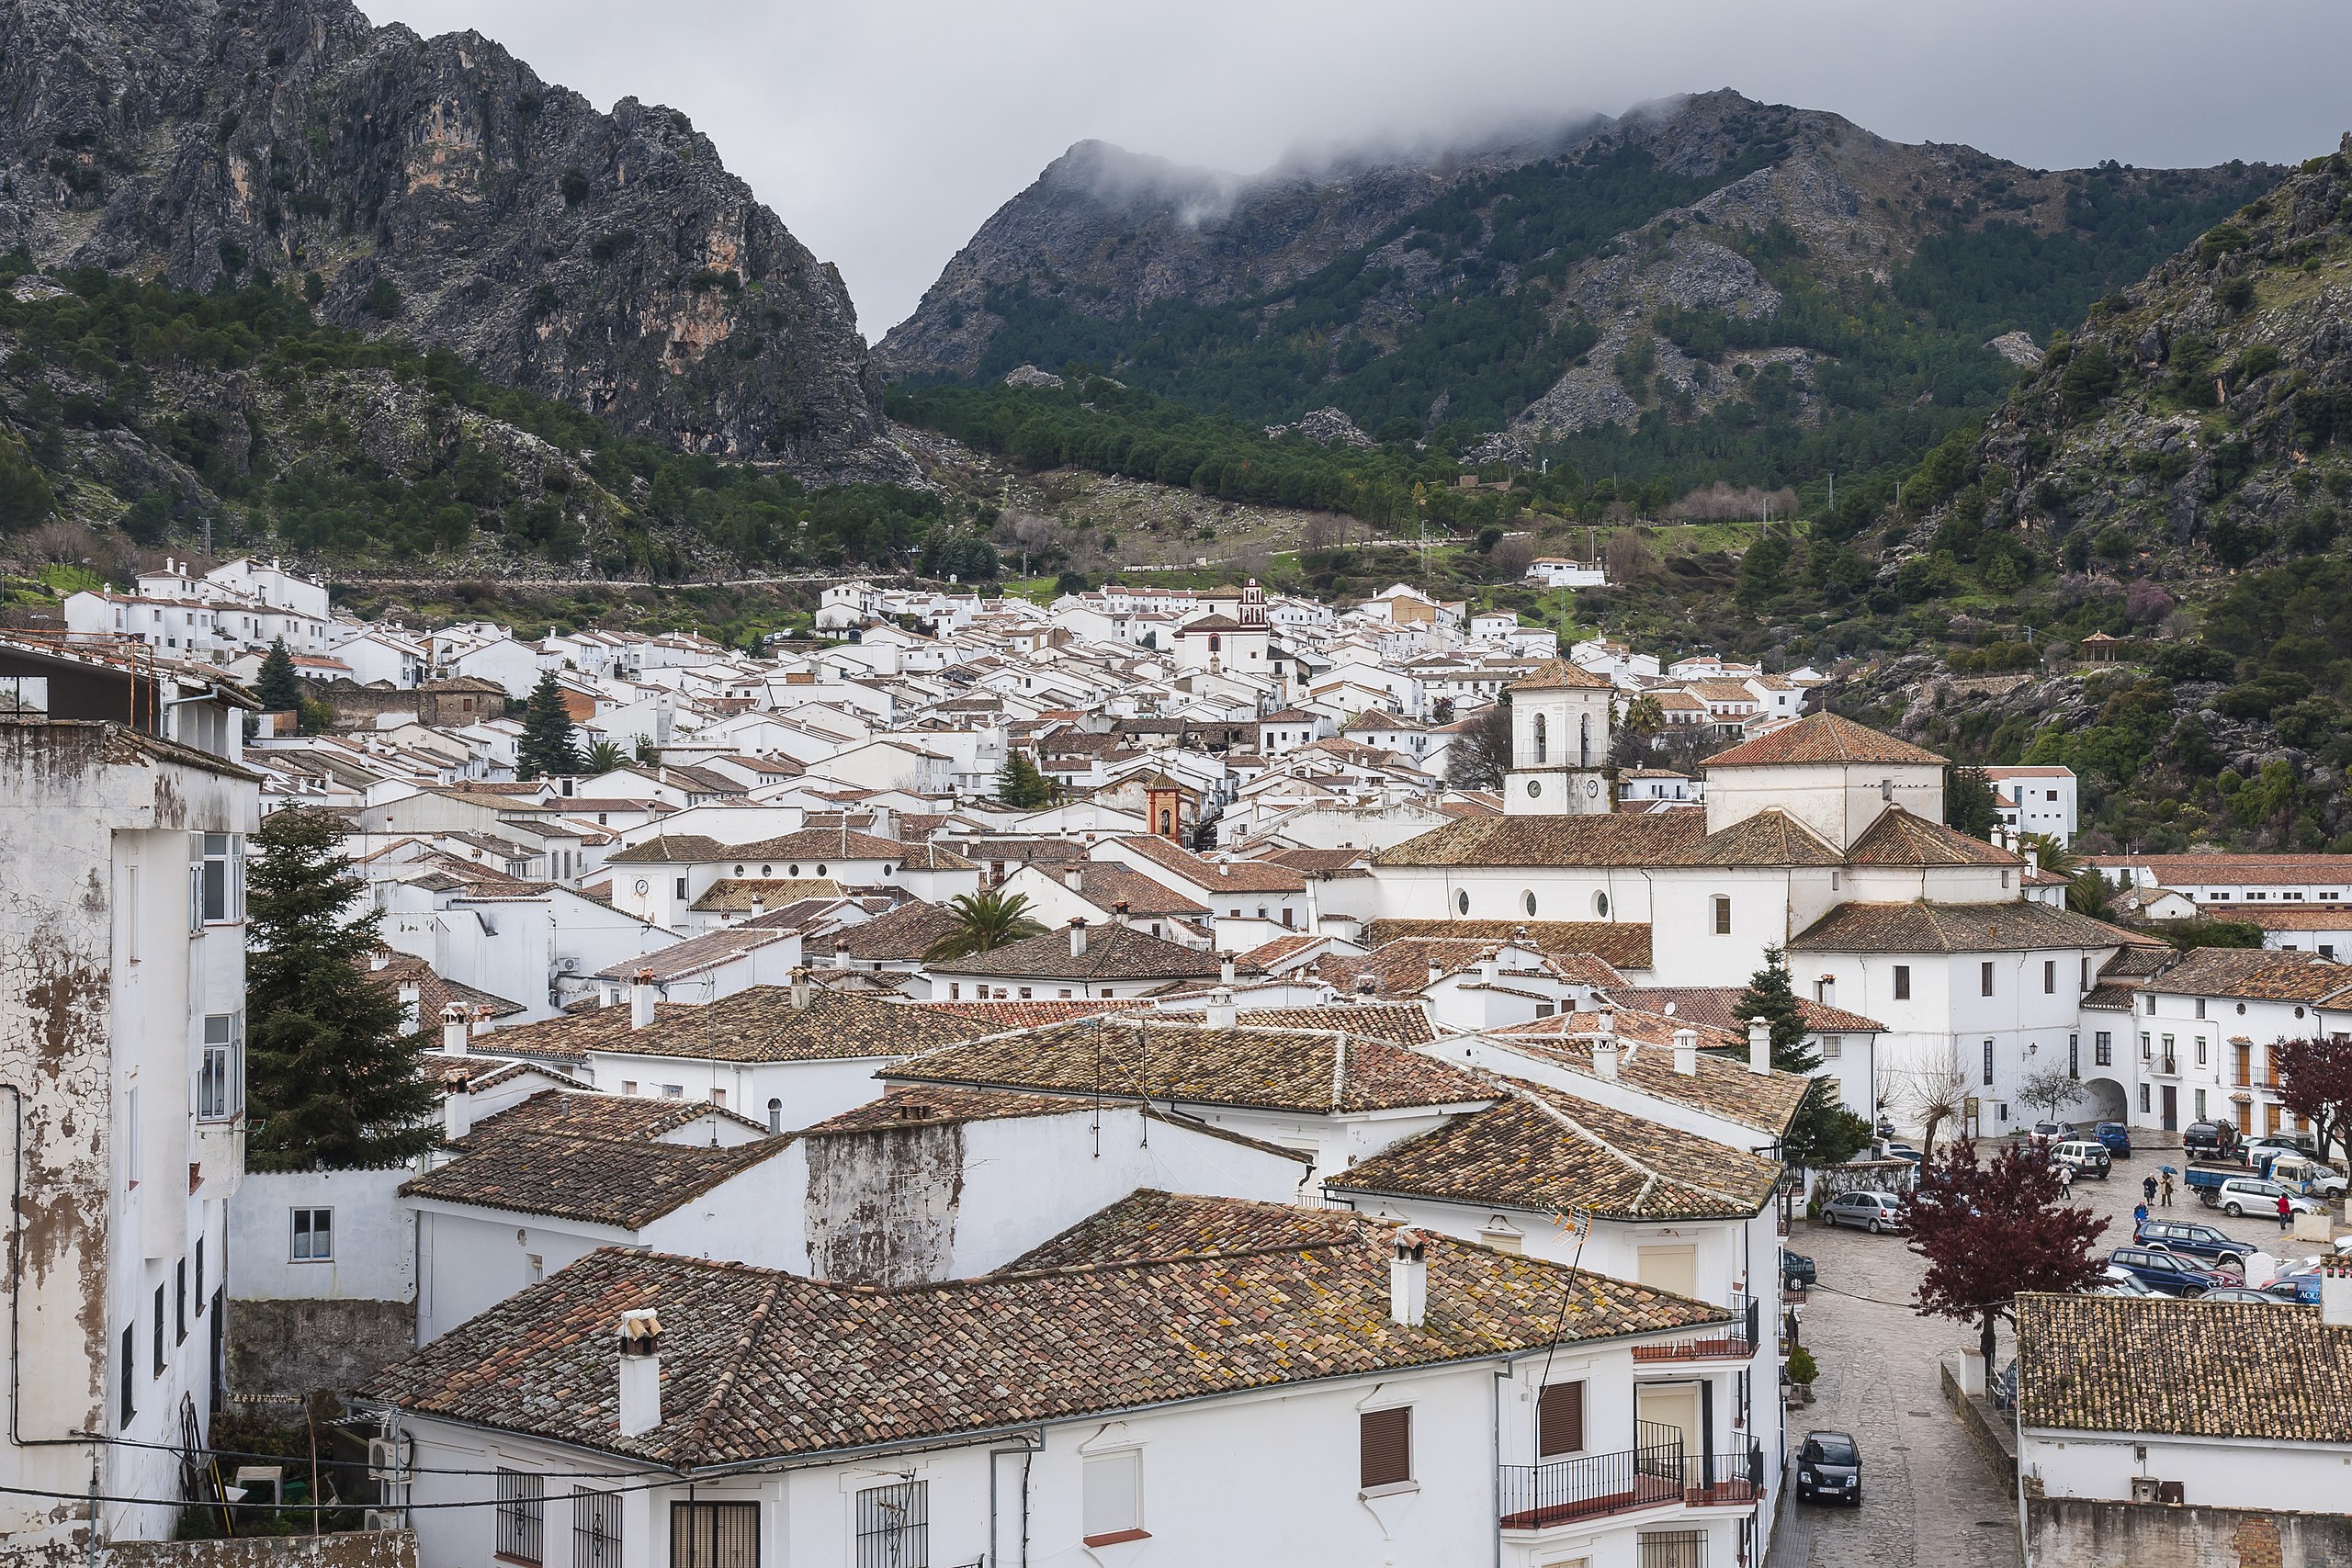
{"x":1872,"y":1212}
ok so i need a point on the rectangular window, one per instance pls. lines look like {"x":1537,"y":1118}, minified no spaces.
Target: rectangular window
{"x":129,"y":1392}
{"x":1985,"y":978}
{"x":2049,"y":976}
{"x":2152,"y":1004}
{"x":2144,"y":1099}
{"x":2103,"y":1049}
{"x":1384,"y":1443}
{"x":219,"y":1073}
{"x":159,"y":1327}
{"x":595,"y":1528}
{"x":2145,"y":1050}
{"x":1988,"y":1061}
{"x":313,"y":1235}
{"x":199,"y":1276}
{"x":2201,"y":1006}
{"x":894,"y":1526}
{"x":1112,"y":1496}
{"x":521,"y":1512}
{"x":1902,"y":982}
{"x":2201,"y":1105}
{"x":2073,"y":1056}
{"x":673,"y":1091}
{"x":714,"y":1535}
{"x":1832,"y":1048}
{"x":1722,"y":915}
{"x":2200,"y":1050}
{"x":682,"y":887}
{"x":1559,"y":1419}
{"x":219,"y":878}
{"x":1673,"y":1549}
{"x":179,"y":1303}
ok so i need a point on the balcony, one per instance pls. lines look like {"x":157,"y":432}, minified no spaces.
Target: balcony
{"x":1732,"y":1341}
{"x":1656,"y":1473}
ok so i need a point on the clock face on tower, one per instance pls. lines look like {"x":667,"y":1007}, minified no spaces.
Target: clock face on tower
{"x":1592,"y":789}
{"x":1535,"y":787}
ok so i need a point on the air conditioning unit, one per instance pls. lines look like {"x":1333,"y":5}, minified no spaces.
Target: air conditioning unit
{"x":2144,"y":1489}
{"x":568,"y":965}
{"x":381,"y":1519}
{"x":388,"y":1459}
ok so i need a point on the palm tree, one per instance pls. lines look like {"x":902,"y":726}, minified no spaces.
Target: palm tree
{"x":605,"y":756}
{"x":2091,"y":894}
{"x":2050,"y":855}
{"x":983,"y":921}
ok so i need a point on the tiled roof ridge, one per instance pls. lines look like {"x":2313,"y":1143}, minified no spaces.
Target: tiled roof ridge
{"x":755,"y":1324}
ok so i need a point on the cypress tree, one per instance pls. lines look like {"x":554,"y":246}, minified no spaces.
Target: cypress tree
{"x":275,"y":685}
{"x":1823,"y":1132}
{"x":548,"y":746}
{"x":330,"y":1083}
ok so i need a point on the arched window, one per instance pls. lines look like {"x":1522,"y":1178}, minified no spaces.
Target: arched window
{"x":1584,"y":740}
{"x":1540,"y":744}
{"x":1167,"y":820}
{"x":1216,"y":642}
{"x":776,"y":1116}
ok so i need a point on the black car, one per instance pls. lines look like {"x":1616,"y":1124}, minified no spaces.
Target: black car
{"x":2200,"y":1242}
{"x":2210,"y":1141}
{"x":1796,"y":1269}
{"x":1829,"y":1469}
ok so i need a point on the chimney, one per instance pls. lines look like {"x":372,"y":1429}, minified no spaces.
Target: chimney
{"x":457,"y":1108}
{"x":453,"y":1030}
{"x":412,"y":1005}
{"x":379,"y":961}
{"x":2032,"y":860}
{"x":1604,"y":1058}
{"x":640,"y":1348}
{"x":481,"y":1021}
{"x":1071,"y":878}
{"x":1367,"y":983}
{"x":641,"y":999}
{"x":800,"y":987}
{"x":758,"y":906}
{"x":1225,"y":968}
{"x":1225,"y":869}
{"x":1759,"y":1045}
{"x":1437,"y":971}
{"x":1409,"y":1280}
{"x":1078,"y":936}
{"x":2335,"y":1293}
{"x":1685,"y":1053}
{"x":1221,"y":1013}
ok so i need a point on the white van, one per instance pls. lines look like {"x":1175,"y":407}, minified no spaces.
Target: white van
{"x":2084,"y":1157}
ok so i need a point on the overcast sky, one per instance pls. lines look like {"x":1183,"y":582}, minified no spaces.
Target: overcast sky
{"x":883,"y":132}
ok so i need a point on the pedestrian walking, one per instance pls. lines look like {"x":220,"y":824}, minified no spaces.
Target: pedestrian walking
{"x":2167,"y":1188}
{"x":2066,"y":1181}
{"x":2148,"y":1189}
{"x":2139,"y":1220}
{"x":2286,"y":1213}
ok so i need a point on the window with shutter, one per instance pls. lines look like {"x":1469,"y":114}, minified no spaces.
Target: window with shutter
{"x":1559,"y":1420}
{"x":1386,"y":1437}
{"x":1112,"y":1495}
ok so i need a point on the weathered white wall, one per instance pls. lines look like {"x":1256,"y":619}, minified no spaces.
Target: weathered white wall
{"x":374,"y":1236}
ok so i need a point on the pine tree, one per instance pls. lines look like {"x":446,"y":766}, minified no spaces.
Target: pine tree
{"x":329,"y":1082}
{"x":547,"y":747}
{"x":275,"y":685}
{"x":1823,"y":1132}
{"x":1019,"y":783}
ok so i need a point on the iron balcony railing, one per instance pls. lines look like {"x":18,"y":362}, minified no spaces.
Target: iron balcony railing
{"x":1561,"y":1491}
{"x":1724,"y":1480}
{"x":1732,"y":1341}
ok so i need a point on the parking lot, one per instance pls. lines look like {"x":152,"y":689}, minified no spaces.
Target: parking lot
{"x":1929,"y":1498}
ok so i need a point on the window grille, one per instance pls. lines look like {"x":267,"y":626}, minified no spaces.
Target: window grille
{"x":595,"y":1528}
{"x":894,"y":1526}
{"x":522,"y":1509}
{"x":1674,"y":1548}
{"x":713,"y":1535}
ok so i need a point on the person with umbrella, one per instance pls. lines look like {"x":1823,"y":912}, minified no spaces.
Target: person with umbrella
{"x":2166,"y":1187}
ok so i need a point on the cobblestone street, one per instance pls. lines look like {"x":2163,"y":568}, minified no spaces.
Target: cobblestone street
{"x":1929,"y":1498}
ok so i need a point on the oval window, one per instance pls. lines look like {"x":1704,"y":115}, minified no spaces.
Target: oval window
{"x":821,"y":871}
{"x":1461,"y":900}
{"x":1600,"y":905}
{"x":767,"y":871}
{"x":739,"y":871}
{"x":1528,"y":901}
{"x":792,"y":870}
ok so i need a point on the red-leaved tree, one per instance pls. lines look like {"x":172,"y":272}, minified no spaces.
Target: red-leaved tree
{"x":1990,"y":1232}
{"x":2315,"y":1082}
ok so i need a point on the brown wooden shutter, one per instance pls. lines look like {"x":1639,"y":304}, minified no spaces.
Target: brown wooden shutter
{"x":1559,"y":1419}
{"x":1387,"y":1442}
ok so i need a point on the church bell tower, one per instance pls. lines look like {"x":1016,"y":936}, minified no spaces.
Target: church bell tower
{"x":1559,"y":744}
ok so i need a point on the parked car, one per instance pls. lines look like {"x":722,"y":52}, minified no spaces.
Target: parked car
{"x":2210,"y":1141}
{"x":2301,"y":1173}
{"x":2193,"y":1240}
{"x":2082,"y":1157}
{"x":1873,"y":1211}
{"x":2122,"y":1282}
{"x":1890,"y":1149}
{"x":2116,"y":1138}
{"x":2253,"y":1195}
{"x":2206,"y":1181}
{"x":1796,"y":1269}
{"x":2171,"y":1273}
{"x":1829,"y":1467}
{"x":2052,"y":1131}
{"x":2271,"y":1145}
{"x":2249,"y":1296}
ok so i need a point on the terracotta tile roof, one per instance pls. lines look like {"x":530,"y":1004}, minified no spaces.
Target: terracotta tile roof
{"x":1024,"y":852}
{"x":1113,"y":953}
{"x":1549,"y":1152}
{"x":1610,"y":840}
{"x":1720,"y":1088}
{"x":672,"y":849}
{"x":1249,"y":1066}
{"x":1401,"y":1024}
{"x":2116,"y":998}
{"x":1310,"y":860}
{"x":1009,"y":1015}
{"x":1821,"y":738}
{"x":1624,"y":944}
{"x":1769,"y":838}
{"x":2259,"y":870}
{"x":760,"y":1364}
{"x":1105,"y":883}
{"x":2283,"y":918}
{"x":1899,"y":838}
{"x":588,"y":1114}
{"x":927,"y":856}
{"x":1152,"y":1225}
{"x":2263,"y":1374}
{"x":731,"y":895}
{"x":1265,"y":955}
{"x":433,"y":992}
{"x":758,"y":1024}
{"x":1401,"y":968}
{"x":2251,"y":975}
{"x":1238,"y":877}
{"x":1921,"y":927}
{"x":1559,"y":674}
{"x":626,"y":1181}
{"x":941,"y":1104}
{"x":696,"y":953}
{"x":444,"y":1070}
{"x":901,"y":936}
{"x":1717,"y":1007}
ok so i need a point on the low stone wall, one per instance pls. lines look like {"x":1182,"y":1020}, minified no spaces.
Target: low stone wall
{"x":2072,"y":1532}
{"x":289,"y":1349}
{"x":352,"y":1549}
{"x":1988,"y":1427}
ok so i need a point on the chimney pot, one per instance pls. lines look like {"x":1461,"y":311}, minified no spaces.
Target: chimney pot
{"x":1077,"y":936}
{"x":1759,"y":1045}
{"x":800,"y":988}
{"x":1221,"y":1013}
{"x":641,"y":999}
{"x":640,"y":1371}
{"x":1225,"y":968}
{"x":1604,"y":1058}
{"x":1685,"y":1053}
{"x":1409,"y":1280}
{"x":458,"y":1108}
{"x":453,"y":1030}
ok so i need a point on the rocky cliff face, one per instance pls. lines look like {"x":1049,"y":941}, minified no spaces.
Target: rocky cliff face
{"x":440,"y":189}
{"x":1346,"y":287}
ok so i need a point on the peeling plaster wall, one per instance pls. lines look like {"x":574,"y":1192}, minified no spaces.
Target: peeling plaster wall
{"x":882,"y":1203}
{"x":103,"y":991}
